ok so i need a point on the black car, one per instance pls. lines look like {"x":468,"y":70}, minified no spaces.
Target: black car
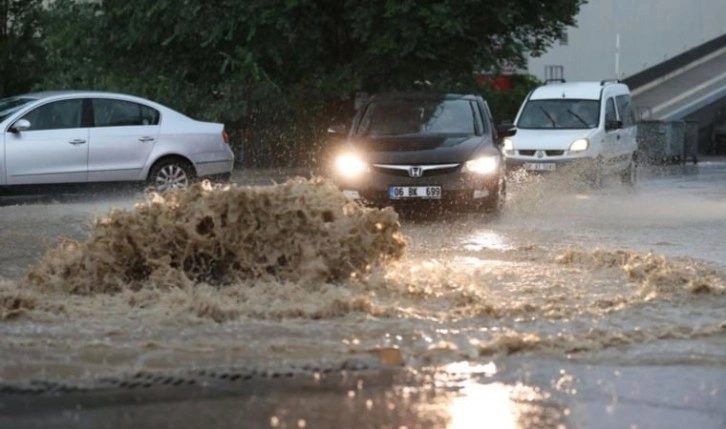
{"x":422,"y":147}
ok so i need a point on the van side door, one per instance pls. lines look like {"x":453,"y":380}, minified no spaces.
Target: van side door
{"x":612,"y":135}
{"x":628,"y":143}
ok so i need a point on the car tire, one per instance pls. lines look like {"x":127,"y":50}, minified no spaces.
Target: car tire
{"x":494,"y":203}
{"x":170,"y":174}
{"x":596,"y":175}
{"x":629,"y":176}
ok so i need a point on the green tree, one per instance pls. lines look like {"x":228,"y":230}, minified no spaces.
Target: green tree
{"x":20,"y":50}
{"x":277,"y":71}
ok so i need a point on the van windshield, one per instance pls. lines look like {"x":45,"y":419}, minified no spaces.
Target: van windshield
{"x":560,"y":114}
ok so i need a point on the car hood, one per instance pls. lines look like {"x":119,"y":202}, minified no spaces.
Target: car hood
{"x":422,"y":149}
{"x":547,"y":139}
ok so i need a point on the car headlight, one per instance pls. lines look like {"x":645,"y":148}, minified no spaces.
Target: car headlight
{"x":579,"y":145}
{"x":508,"y":145}
{"x":350,"y":165}
{"x":482,"y":165}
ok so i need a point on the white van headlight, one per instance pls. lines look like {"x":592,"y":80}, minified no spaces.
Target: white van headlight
{"x":350,"y":165}
{"x":579,"y":145}
{"x":508,"y":145}
{"x":482,"y":165}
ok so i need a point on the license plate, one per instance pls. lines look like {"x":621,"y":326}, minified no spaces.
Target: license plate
{"x":540,"y":166}
{"x":423,"y":192}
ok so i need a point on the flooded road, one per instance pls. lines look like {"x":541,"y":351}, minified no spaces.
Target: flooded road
{"x":573,"y":308}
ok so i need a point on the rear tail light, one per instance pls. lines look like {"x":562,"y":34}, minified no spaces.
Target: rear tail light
{"x":225,"y":136}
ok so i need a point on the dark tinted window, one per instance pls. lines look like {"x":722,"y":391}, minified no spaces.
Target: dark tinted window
{"x":625,"y":108}
{"x":560,"y":113}
{"x":610,"y":114}
{"x":418,"y":117}
{"x":56,"y":115}
{"x":121,"y":113}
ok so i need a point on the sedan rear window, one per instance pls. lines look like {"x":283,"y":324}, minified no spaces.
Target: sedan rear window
{"x":406,"y":117}
{"x":121,"y":113}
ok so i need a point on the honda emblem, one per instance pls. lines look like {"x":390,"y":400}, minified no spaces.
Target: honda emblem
{"x":415,"y":171}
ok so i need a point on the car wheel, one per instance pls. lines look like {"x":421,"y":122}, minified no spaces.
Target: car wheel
{"x":171,"y":174}
{"x":494,"y":203}
{"x":629,"y":176}
{"x":596,"y":175}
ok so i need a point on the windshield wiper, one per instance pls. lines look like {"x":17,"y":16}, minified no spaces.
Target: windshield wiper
{"x":579,"y":118}
{"x":554,"y":123}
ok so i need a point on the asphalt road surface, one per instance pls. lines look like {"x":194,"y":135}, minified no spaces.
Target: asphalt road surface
{"x":574,"y":308}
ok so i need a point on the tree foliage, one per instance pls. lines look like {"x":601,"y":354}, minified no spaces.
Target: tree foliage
{"x":20,"y":48}
{"x":277,"y":71}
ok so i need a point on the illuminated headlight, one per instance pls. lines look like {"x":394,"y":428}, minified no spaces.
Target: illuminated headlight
{"x":482,"y":165}
{"x":579,"y":145}
{"x":508,"y":146}
{"x":350,"y":165}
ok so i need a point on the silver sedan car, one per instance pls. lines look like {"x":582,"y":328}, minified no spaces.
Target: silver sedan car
{"x":72,"y":137}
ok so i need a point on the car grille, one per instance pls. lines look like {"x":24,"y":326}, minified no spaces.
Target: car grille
{"x":427,"y":171}
{"x":547,"y":152}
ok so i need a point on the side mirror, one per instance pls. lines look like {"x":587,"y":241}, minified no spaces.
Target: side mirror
{"x":613,"y":125}
{"x":506,"y":129}
{"x":20,"y":126}
{"x":337,"y":129}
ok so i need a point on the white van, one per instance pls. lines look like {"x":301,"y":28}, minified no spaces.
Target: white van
{"x":591,"y":124}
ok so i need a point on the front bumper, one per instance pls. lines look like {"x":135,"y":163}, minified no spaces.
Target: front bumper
{"x":456,"y":186}
{"x":550,"y":165}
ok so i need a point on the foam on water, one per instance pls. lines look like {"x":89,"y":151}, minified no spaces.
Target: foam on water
{"x":301,"y":230}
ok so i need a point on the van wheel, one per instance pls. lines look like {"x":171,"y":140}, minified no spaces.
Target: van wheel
{"x":596,"y":174}
{"x":629,"y":176}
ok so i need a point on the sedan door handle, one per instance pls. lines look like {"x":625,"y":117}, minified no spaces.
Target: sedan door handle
{"x":76,"y":142}
{"x":146,"y":139}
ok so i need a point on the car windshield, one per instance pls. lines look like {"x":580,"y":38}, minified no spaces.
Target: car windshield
{"x":412,"y":117}
{"x":10,"y":105}
{"x":565,"y":114}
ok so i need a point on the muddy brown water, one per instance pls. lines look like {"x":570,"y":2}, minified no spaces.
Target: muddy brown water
{"x":611,"y":277}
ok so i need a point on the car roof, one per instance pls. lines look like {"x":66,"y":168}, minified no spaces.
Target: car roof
{"x":420,"y":96}
{"x":50,"y":94}
{"x":576,"y":90}
{"x":59,"y":94}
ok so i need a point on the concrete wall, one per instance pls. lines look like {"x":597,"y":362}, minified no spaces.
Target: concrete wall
{"x":650,"y":32}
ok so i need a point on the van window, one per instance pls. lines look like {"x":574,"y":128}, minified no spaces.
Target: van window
{"x":625,"y":108}
{"x":610,"y":113}
{"x":560,"y":113}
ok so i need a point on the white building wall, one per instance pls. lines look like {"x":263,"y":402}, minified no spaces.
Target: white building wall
{"x":650,"y":32}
